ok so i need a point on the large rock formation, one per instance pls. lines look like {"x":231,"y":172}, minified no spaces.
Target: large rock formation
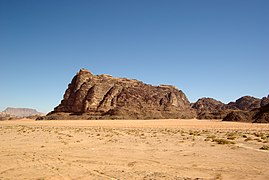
{"x":209,"y":108}
{"x":105,"y":97}
{"x":245,"y":103}
{"x":208,"y":105}
{"x":264,"y":101}
{"x":21,"y":112}
{"x":261,"y":115}
{"x":249,"y":109}
{"x":258,"y":115}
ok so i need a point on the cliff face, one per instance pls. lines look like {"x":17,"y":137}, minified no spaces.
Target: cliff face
{"x":106,"y":97}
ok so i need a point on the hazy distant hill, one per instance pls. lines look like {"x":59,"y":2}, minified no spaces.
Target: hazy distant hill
{"x":2,"y":114}
{"x":21,"y":112}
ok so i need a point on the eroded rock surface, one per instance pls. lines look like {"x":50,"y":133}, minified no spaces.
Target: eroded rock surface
{"x":209,"y":108}
{"x":104,"y":97}
{"x":245,"y":103}
{"x":264,"y":101}
{"x":258,"y":115}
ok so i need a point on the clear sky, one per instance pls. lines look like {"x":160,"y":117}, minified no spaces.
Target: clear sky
{"x":207,"y":48}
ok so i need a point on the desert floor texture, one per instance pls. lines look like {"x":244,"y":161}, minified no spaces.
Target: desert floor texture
{"x":133,"y":149}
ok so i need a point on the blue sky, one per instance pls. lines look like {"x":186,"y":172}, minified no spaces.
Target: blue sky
{"x":207,"y":48}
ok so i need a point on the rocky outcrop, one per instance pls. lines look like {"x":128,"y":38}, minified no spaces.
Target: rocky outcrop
{"x":264,"y":101}
{"x":21,"y":112}
{"x":261,"y":115}
{"x":209,"y":108}
{"x":91,"y":96}
{"x":245,"y":103}
{"x":258,"y":115}
{"x":208,"y":105}
{"x":239,"y":116}
{"x":249,"y":109}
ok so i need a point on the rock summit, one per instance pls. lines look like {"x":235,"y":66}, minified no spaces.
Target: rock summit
{"x":91,"y":96}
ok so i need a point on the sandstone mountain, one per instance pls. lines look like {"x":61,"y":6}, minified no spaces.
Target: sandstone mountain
{"x":20,"y":112}
{"x":258,"y":115}
{"x":209,"y":108}
{"x":249,"y":109}
{"x":264,"y":101}
{"x":245,"y":103}
{"x":208,"y":104}
{"x":91,"y":96}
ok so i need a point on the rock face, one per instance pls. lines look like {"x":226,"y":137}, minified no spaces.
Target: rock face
{"x":21,"y":112}
{"x":208,"y":105}
{"x":258,"y":115}
{"x":105,"y":97}
{"x":245,"y":103}
{"x":239,"y":116}
{"x":209,"y":108}
{"x":265,"y":101}
{"x":261,"y":115}
{"x":250,"y":110}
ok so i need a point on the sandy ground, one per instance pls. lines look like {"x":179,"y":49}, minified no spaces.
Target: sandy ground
{"x":139,"y":149}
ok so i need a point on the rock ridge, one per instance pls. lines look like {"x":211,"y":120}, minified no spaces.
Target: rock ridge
{"x":209,"y":108}
{"x":91,"y":96}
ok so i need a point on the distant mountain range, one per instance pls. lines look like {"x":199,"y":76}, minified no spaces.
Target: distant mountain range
{"x":19,"y":112}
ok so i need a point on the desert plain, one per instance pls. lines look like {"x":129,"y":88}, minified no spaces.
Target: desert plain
{"x":133,"y":149}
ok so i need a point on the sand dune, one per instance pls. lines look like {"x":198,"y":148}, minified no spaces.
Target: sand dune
{"x":133,"y":149}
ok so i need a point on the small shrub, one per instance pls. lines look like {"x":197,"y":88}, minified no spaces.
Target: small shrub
{"x":248,"y":139}
{"x":222,"y":141}
{"x":258,"y":140}
{"x":265,"y":147}
{"x":231,"y":137}
{"x":211,"y":136}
